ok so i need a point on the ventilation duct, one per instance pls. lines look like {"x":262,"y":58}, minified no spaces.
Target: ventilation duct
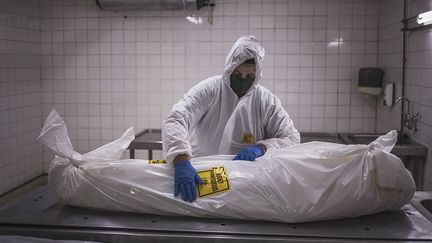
{"x":124,"y":5}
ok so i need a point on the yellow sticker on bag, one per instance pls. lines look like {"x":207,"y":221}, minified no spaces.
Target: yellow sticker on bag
{"x":215,"y":181}
{"x":248,"y":138}
{"x":157,"y":161}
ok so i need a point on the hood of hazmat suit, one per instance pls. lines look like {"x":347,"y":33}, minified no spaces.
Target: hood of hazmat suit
{"x":211,"y":119}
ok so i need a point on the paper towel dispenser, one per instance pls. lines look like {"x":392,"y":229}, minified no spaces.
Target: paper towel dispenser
{"x":370,"y":81}
{"x":125,"y":5}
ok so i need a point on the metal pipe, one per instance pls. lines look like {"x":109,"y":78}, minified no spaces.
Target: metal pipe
{"x":403,"y":103}
{"x":403,"y":64}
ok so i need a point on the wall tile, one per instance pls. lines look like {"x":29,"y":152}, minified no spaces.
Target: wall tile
{"x":21,"y":90}
{"x":130,"y":65}
{"x":418,"y":66}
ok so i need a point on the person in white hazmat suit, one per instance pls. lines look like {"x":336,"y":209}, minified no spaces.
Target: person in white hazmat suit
{"x":226,"y":114}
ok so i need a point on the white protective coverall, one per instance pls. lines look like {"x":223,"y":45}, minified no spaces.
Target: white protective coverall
{"x":210,"y":118}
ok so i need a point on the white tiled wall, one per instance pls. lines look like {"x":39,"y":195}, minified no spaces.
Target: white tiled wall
{"x":418,"y":73}
{"x":106,"y":71}
{"x":20,"y":93}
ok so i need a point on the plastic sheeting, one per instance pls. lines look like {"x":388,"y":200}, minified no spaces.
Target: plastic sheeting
{"x":306,"y":182}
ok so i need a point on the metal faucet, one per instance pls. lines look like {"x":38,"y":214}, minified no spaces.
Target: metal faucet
{"x":409,"y":121}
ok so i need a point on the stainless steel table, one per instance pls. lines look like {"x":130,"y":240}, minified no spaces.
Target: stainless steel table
{"x":41,"y":214}
{"x":148,"y":139}
{"x":151,"y":139}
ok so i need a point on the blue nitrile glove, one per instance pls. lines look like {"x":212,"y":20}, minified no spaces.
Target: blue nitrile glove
{"x":185,"y":177}
{"x":250,"y":153}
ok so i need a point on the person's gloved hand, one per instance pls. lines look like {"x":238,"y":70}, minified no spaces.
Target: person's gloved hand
{"x":185,"y":177}
{"x":250,"y":153}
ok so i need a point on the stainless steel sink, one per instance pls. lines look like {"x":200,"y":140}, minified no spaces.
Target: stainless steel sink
{"x":405,"y":146}
{"x":320,"y":136}
{"x":359,"y":138}
{"x":422,"y":201}
{"x":366,"y":138}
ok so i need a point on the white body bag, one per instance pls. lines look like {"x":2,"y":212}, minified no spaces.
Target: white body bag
{"x":305,"y":182}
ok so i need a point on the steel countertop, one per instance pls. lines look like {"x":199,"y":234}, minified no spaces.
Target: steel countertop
{"x":41,"y":214}
{"x":151,"y":139}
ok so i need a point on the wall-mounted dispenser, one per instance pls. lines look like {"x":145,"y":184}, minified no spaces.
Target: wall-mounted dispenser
{"x":370,"y":81}
{"x":388,"y":95}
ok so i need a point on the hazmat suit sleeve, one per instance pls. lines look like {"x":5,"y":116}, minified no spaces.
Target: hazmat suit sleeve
{"x":184,"y":115}
{"x":278,"y":126}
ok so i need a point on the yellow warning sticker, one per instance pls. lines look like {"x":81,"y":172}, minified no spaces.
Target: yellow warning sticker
{"x":248,"y":138}
{"x":157,"y":161}
{"x":215,"y":181}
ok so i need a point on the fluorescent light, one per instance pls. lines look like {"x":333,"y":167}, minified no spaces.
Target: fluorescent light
{"x":335,"y":42}
{"x":425,"y":18}
{"x":194,"y":19}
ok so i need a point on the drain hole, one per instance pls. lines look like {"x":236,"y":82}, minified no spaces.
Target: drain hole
{"x":34,"y":200}
{"x":153,"y":221}
{"x":366,"y":229}
{"x":294,"y":227}
{"x":223,"y":224}
{"x":40,"y":197}
{"x":85,"y":218}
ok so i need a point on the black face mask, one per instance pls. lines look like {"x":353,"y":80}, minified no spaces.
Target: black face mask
{"x":239,"y":85}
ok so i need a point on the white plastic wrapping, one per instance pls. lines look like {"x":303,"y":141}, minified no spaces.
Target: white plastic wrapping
{"x":306,"y":182}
